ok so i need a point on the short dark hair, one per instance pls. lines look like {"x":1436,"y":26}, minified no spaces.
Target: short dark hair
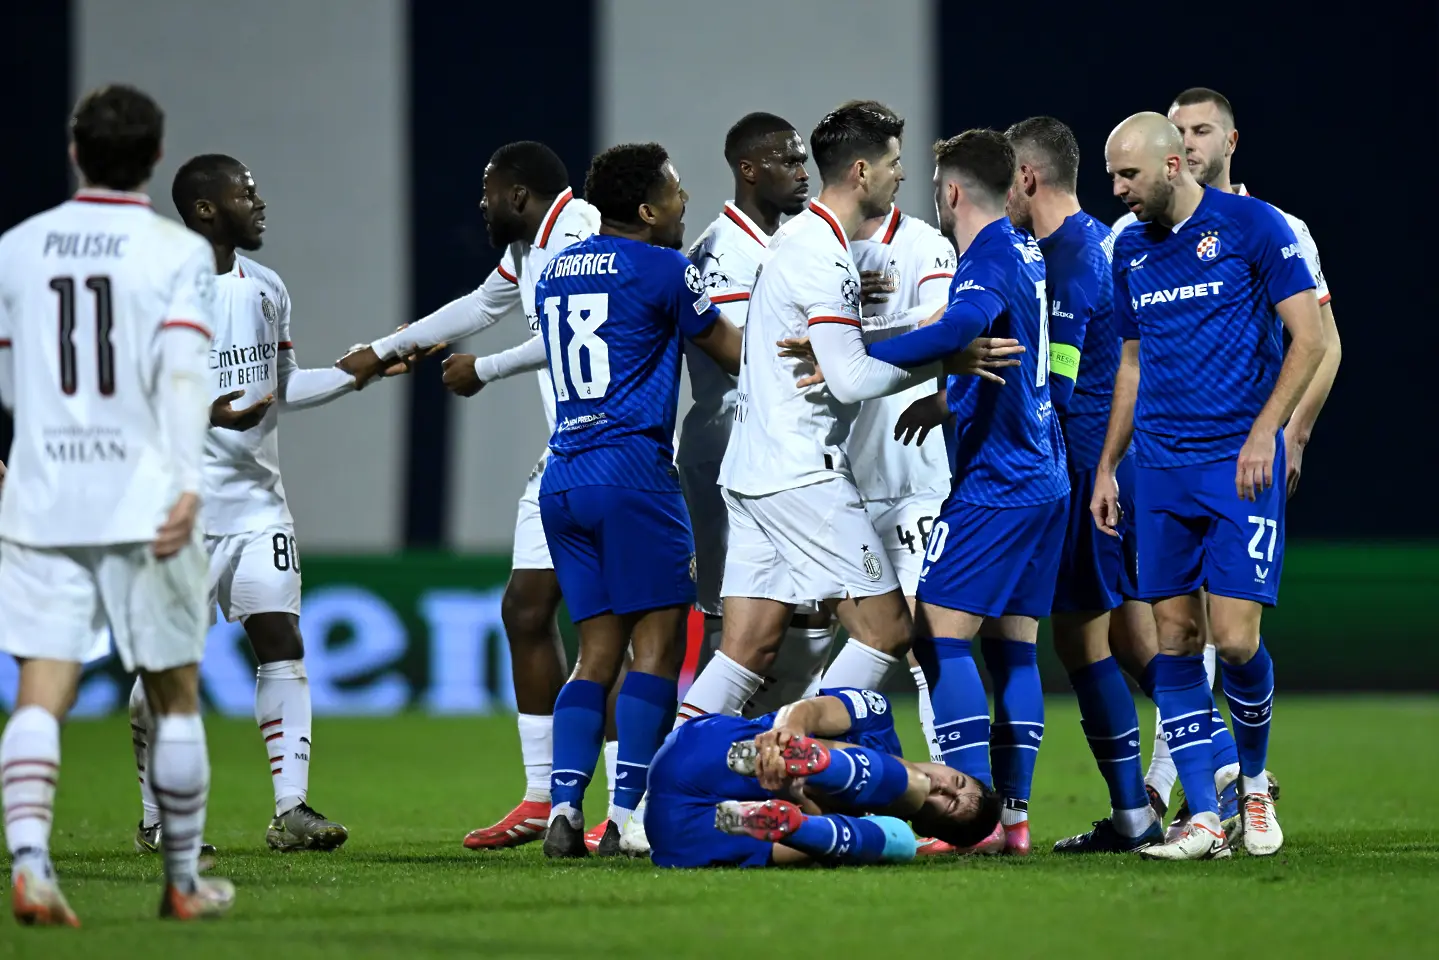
{"x":748,"y":131}
{"x":117,"y":132}
{"x":983,"y":159}
{"x":199,"y":178}
{"x":623,"y":177}
{"x":855,"y":130}
{"x":978,"y":827}
{"x":1051,"y":144}
{"x":531,"y":164}
{"x":1197,"y":95}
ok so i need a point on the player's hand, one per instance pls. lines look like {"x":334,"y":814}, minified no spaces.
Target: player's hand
{"x":403,"y":365}
{"x":222,"y":414}
{"x":460,"y":376}
{"x":1255,"y":472}
{"x":1104,"y":505}
{"x":983,"y":356}
{"x":798,"y":348}
{"x":175,"y":533}
{"x":362,"y":363}
{"x":1293,"y":462}
{"x":921,"y":417}
{"x":875,"y":286}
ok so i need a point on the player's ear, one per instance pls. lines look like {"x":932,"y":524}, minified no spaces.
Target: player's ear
{"x":1232,"y":143}
{"x":647,"y":215}
{"x":204,"y":209}
{"x":519,"y":197}
{"x":747,"y":171}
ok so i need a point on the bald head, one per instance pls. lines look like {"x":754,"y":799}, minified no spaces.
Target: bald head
{"x":1145,"y":157}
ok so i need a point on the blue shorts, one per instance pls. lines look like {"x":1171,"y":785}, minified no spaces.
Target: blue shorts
{"x":1194,"y":532}
{"x":994,"y":561}
{"x":687,"y":778}
{"x":1096,"y":571}
{"x":618,"y":550}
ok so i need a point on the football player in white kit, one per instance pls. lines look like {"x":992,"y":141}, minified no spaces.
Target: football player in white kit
{"x":98,"y":518}
{"x":767,"y":157}
{"x":1205,"y":118}
{"x":249,"y":533}
{"x":532,"y":213}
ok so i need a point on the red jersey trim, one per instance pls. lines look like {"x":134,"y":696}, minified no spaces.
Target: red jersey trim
{"x":935,"y":276}
{"x":893,"y":227}
{"x":824,"y":214}
{"x":5,"y":343}
{"x":844,"y":320}
{"x":729,"y":298}
{"x":500,"y":269}
{"x":287,"y":345}
{"x":560,"y":204}
{"x":187,"y":325}
{"x":738,"y":221}
{"x":132,"y":200}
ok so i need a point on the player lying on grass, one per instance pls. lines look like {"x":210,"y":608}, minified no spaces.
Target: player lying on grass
{"x":818,"y":780}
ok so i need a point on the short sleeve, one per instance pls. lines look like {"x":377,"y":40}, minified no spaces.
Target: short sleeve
{"x":1124,"y":318}
{"x":192,"y":295}
{"x":728,"y":276}
{"x":693,"y":310}
{"x":1275,"y":254}
{"x":825,"y":287}
{"x":1310,"y":250}
{"x":937,"y":262}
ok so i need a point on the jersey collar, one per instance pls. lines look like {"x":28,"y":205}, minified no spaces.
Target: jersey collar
{"x":827,"y":215}
{"x":738,"y":218}
{"x":1240,"y":190}
{"x":99,"y":195}
{"x":548,"y":224}
{"x":891,"y":227}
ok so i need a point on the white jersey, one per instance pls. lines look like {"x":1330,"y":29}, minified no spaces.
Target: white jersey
{"x":253,"y":351}
{"x":91,"y":294}
{"x":919,"y":262}
{"x":1307,"y":247}
{"x":785,"y":437}
{"x":728,"y":256}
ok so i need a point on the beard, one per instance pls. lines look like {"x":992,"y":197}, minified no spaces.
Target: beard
{"x":1157,"y":203}
{"x":873,"y":206}
{"x":1211,"y":171}
{"x":946,"y":222}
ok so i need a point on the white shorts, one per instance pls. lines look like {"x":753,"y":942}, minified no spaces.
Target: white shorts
{"x":254,"y":573}
{"x":799,"y":546}
{"x":53,"y":601}
{"x":709,"y":519}
{"x":903,"y":523}
{"x":532,"y":552}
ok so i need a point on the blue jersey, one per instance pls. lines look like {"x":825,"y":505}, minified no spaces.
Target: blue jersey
{"x":1201,"y":301}
{"x":612,"y":312}
{"x":1081,"y":298}
{"x":1009,"y":450}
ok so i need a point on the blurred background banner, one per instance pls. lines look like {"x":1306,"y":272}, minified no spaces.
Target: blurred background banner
{"x":367,"y":124}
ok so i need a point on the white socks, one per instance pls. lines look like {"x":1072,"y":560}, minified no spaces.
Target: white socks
{"x":282,"y":709}
{"x":612,"y":769}
{"x":926,"y":715}
{"x":722,"y":687}
{"x":1132,"y":823}
{"x":29,"y":768}
{"x":142,"y":728}
{"x":537,"y":750}
{"x":858,"y":666}
{"x":795,"y":670}
{"x":180,"y":776}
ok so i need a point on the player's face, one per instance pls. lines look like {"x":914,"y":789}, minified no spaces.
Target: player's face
{"x":1208,"y":141}
{"x":1141,"y":180}
{"x":942,"y":208}
{"x":240,"y":214}
{"x":953,"y":797}
{"x":1017,"y":206}
{"x":667,"y":209}
{"x":780,"y":175}
{"x":502,"y":220}
{"x":882,"y":179}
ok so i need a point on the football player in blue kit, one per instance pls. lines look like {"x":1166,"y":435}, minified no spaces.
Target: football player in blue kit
{"x":1095,"y":601}
{"x":994,"y":552}
{"x":612,"y":311}
{"x":730,"y":791}
{"x":1204,"y":288}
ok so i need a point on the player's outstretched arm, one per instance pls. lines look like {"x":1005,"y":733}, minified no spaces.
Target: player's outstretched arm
{"x":1301,"y":425}
{"x":724,"y":343}
{"x":851,"y":374}
{"x":1104,"y":505}
{"x":466,"y":375}
{"x":1300,"y":314}
{"x":299,"y":389}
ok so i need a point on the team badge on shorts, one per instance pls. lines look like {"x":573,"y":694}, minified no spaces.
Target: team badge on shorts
{"x":1208,"y":247}
{"x":268,"y":308}
{"x":872,"y":567}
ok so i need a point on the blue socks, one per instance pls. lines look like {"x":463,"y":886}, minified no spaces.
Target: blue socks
{"x":836,"y":838}
{"x":1111,"y":724}
{"x":579,"y":737}
{"x":1181,"y":691}
{"x":1250,"y":690}
{"x":862,"y":778}
{"x":961,"y":708}
{"x":644,"y":713}
{"x":1018,"y":716}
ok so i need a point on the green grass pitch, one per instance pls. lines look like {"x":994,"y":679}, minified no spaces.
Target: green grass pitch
{"x":1358,"y":877}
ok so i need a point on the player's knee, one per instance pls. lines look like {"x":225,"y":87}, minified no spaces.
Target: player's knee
{"x":1235,"y":646}
{"x":275,"y":637}
{"x":525,"y":620}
